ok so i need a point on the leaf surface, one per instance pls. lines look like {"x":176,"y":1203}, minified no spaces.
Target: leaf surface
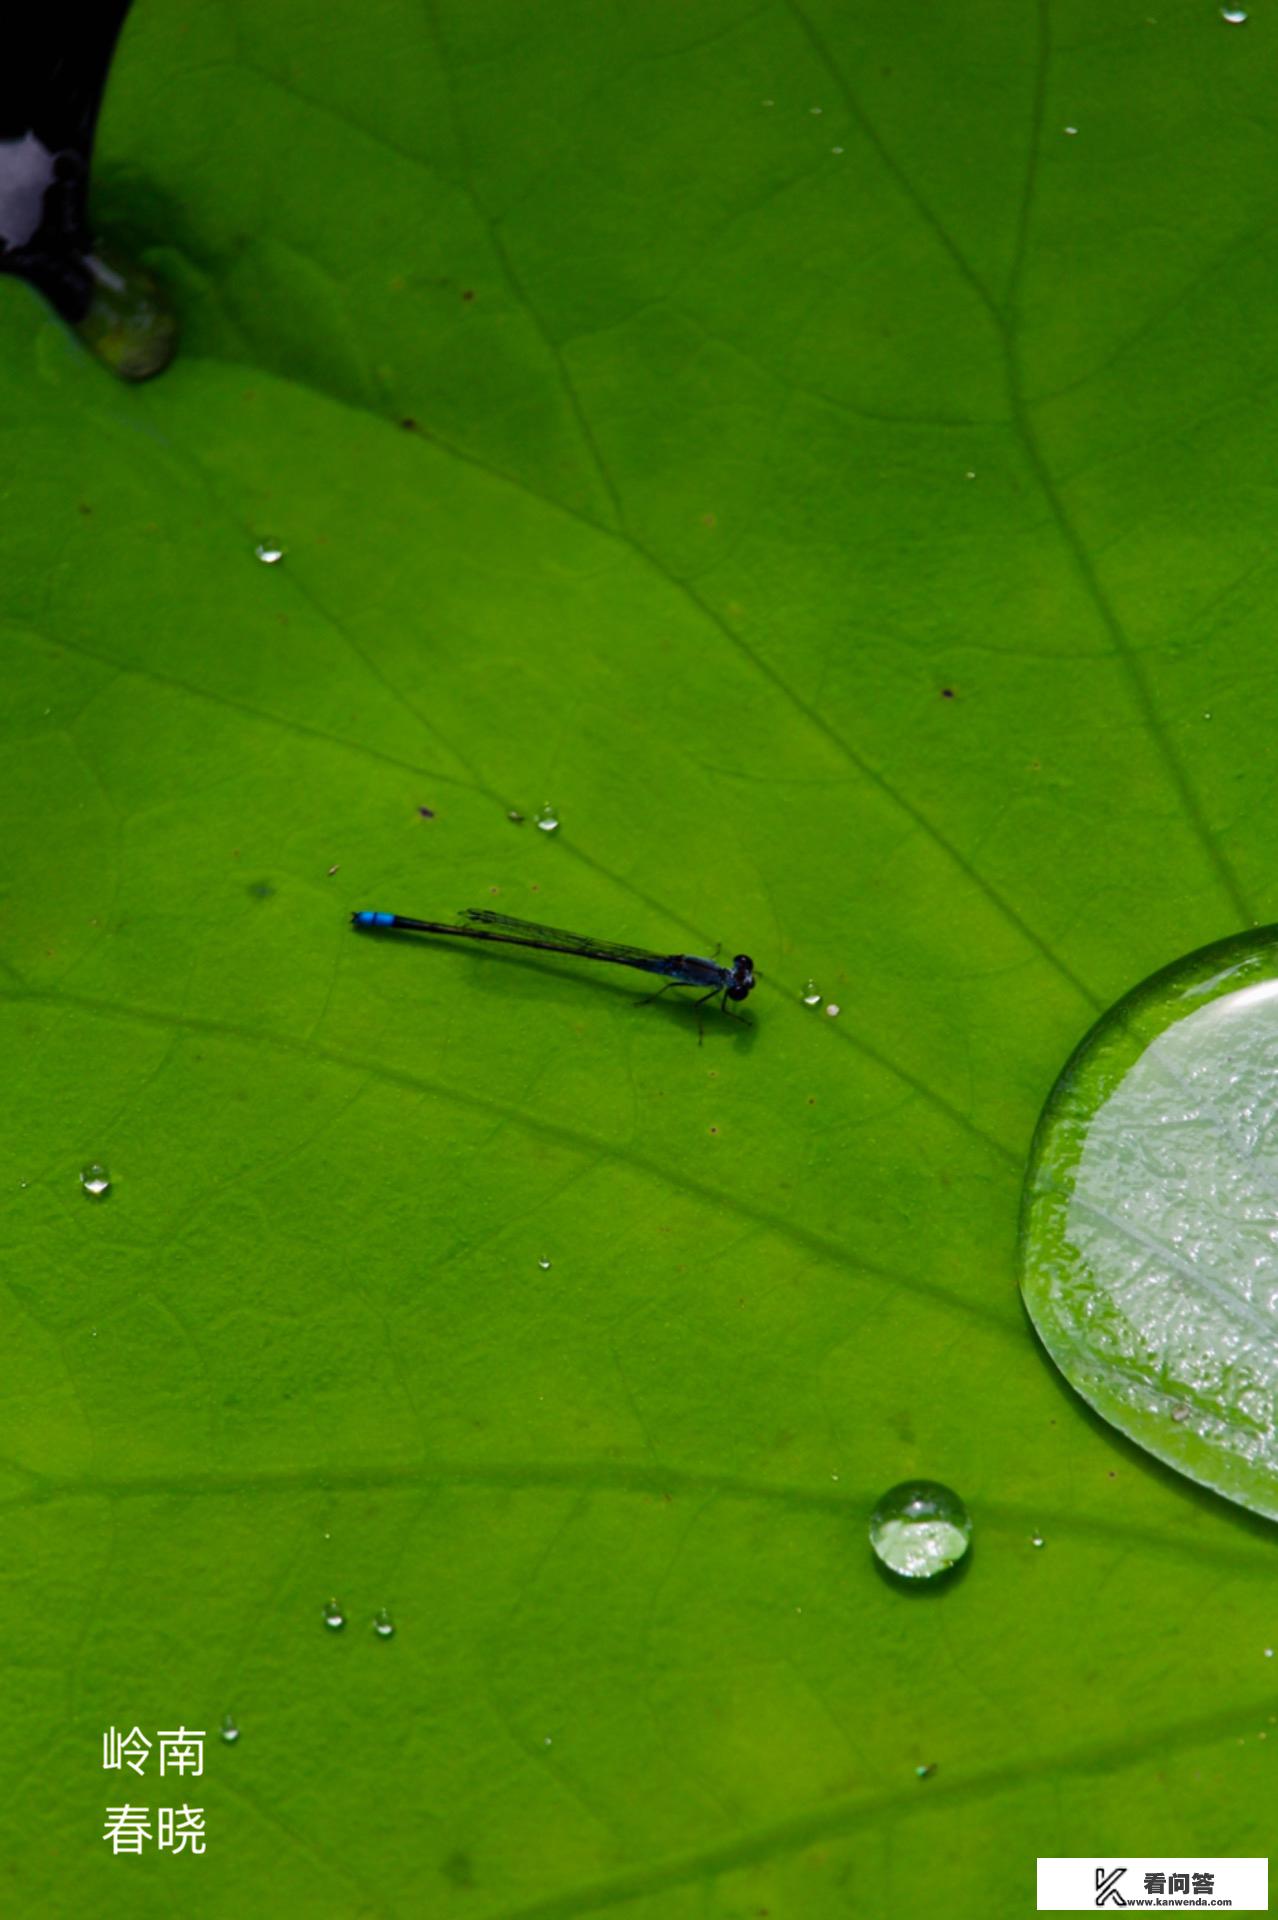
{"x":845,"y":495}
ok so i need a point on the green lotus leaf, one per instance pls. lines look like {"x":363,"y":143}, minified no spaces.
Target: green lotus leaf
{"x":843,"y":494}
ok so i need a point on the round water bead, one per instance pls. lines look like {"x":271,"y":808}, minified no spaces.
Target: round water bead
{"x":920,"y":1529}
{"x":1149,"y":1253}
{"x":129,"y":323}
{"x":95,"y":1180}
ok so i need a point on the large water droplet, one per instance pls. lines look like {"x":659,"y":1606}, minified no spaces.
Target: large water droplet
{"x":547,"y":818}
{"x":383,"y":1625}
{"x":333,"y":1615}
{"x":95,"y":1180}
{"x":1234,"y":15}
{"x":1149,"y":1251}
{"x":920,"y":1529}
{"x":129,"y":325}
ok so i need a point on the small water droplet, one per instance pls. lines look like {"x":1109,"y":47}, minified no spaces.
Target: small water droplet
{"x":816,"y":109}
{"x":925,"y":1773}
{"x":970,"y":474}
{"x":547,"y":1741}
{"x":920,"y":1529}
{"x":516,"y":816}
{"x":1269,"y":1653}
{"x":230,"y":1732}
{"x":544,"y":1264}
{"x":1036,"y":1540}
{"x":1179,"y":1414}
{"x":1234,"y":15}
{"x":811,"y":995}
{"x":836,"y":149}
{"x":269,"y":553}
{"x":383,"y":1625}
{"x":833,"y":1010}
{"x":95,"y":1180}
{"x":548,"y":818}
{"x":1070,"y":130}
{"x":333,"y":1615}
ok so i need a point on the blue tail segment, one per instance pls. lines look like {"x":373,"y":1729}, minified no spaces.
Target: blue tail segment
{"x":369,"y":919}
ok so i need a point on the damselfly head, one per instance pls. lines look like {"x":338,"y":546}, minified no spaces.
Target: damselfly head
{"x":742,"y":977}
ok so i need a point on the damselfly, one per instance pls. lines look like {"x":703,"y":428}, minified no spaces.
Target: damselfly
{"x":679,"y":969}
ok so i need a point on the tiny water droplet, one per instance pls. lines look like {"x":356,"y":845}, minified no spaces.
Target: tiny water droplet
{"x":269,"y":553}
{"x":920,"y":1529}
{"x":1269,"y":1653}
{"x":1070,"y":130}
{"x":1179,"y":1414}
{"x":230,"y":1732}
{"x":833,"y":1010}
{"x":925,"y":1773}
{"x":383,"y":1625}
{"x":816,"y":109}
{"x":1036,"y":1540}
{"x":516,"y":816}
{"x":547,"y":1741}
{"x":333,"y":1615}
{"x":1234,"y":15}
{"x":544,"y":1264}
{"x":811,"y":995}
{"x":548,"y":818}
{"x":970,"y":474}
{"x":95,"y":1180}
{"x":836,"y":149}
{"x":331,"y":872}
